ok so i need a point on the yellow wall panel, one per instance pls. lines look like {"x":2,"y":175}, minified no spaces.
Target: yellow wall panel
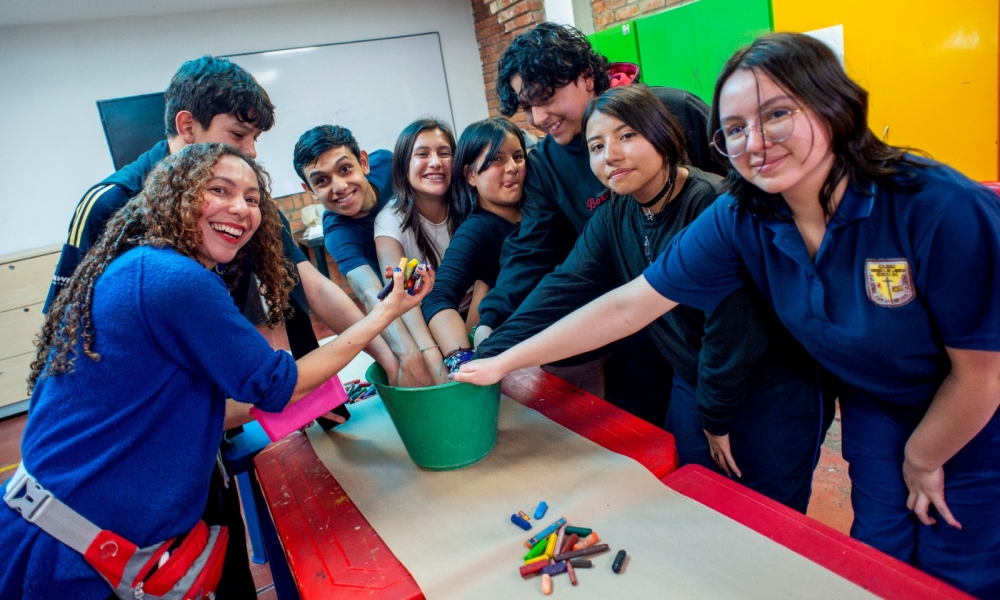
{"x":931,"y":70}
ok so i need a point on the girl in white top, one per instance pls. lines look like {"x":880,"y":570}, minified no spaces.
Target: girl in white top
{"x":421,"y":220}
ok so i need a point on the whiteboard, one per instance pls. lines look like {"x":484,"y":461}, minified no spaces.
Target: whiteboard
{"x":375,"y":88}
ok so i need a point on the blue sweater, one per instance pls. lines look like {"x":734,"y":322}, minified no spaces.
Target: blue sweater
{"x":130,"y":441}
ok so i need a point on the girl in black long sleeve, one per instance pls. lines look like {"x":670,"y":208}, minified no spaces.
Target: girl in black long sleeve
{"x":487,"y":181}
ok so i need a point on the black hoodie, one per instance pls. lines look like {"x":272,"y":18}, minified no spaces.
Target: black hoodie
{"x":95,"y":209}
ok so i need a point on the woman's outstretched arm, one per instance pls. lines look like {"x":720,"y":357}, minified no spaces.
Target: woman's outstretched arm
{"x":619,"y":313}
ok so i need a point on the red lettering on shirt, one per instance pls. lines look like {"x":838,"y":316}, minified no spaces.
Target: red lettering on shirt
{"x":595,"y":202}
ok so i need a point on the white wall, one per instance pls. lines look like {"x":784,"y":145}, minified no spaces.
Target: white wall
{"x":53,"y":145}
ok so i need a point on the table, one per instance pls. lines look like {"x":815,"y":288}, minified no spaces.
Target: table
{"x":334,"y":552}
{"x":872,"y":570}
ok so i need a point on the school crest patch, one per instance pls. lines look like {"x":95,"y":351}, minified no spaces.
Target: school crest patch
{"x":890,"y":281}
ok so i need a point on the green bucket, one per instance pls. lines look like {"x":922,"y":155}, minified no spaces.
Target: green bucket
{"x":444,"y":426}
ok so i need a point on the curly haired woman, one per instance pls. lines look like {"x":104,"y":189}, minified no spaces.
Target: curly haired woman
{"x":137,"y":357}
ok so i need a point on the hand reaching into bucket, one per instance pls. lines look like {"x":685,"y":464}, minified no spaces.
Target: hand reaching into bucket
{"x":485,"y":371}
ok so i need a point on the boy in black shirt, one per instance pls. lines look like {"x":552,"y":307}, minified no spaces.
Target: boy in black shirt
{"x":552,"y":72}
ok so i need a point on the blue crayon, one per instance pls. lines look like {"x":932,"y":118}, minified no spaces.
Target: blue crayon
{"x":516,"y":520}
{"x":540,"y":511}
{"x":545,"y":532}
{"x":555,"y":568}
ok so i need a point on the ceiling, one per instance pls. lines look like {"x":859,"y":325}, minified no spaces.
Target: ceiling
{"x":24,"y":12}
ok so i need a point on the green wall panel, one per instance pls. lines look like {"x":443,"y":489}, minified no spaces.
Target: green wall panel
{"x":618,"y":43}
{"x":686,"y":47}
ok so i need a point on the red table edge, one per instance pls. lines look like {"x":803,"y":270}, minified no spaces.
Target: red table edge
{"x":564,"y":403}
{"x":819,"y":543}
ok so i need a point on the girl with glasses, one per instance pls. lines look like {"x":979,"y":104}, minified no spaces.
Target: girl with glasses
{"x":746,"y":398}
{"x":883,"y":265}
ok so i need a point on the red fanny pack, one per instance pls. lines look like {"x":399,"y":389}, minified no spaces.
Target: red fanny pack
{"x":187,"y":567}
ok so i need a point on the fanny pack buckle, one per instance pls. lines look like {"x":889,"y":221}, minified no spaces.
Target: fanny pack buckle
{"x":25,"y":495}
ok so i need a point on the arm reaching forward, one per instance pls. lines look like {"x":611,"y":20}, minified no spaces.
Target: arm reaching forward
{"x":619,"y":313}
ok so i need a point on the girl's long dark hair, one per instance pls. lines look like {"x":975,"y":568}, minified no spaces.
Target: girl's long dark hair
{"x":489,"y":135}
{"x":807,"y":70}
{"x":405,"y":200}
{"x":165,"y":214}
{"x":638,"y":108}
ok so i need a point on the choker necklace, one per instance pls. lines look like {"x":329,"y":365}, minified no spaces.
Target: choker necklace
{"x":646,"y":206}
{"x":645,"y":209}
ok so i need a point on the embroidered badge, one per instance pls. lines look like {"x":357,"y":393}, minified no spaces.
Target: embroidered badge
{"x":890,"y":282}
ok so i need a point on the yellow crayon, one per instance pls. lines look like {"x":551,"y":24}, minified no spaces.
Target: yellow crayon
{"x":550,"y":546}
{"x":536,"y":559}
{"x":409,"y":269}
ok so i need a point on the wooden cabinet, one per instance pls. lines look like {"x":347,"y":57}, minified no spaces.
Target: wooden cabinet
{"x":24,"y":282}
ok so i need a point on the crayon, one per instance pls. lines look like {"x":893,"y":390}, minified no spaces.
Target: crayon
{"x":533,"y":568}
{"x":619,"y":561}
{"x":550,"y":545}
{"x":546,"y":584}
{"x":590,"y":540}
{"x":584,"y":552}
{"x":388,"y":287}
{"x":540,"y":511}
{"x":408,"y":272}
{"x":559,"y":539}
{"x":571,"y":572}
{"x":580,"y":531}
{"x":536,"y":550}
{"x":545,"y":532}
{"x":516,"y":520}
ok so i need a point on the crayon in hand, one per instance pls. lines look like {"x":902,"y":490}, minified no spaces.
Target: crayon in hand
{"x":403,"y":263}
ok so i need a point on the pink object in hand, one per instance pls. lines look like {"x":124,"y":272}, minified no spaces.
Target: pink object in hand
{"x":317,"y":403}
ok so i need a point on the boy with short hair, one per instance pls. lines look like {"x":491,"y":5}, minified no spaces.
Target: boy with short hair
{"x":354,"y":186}
{"x":552,"y":72}
{"x":208,"y":100}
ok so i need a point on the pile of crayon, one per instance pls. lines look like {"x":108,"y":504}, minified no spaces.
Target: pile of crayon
{"x":560,"y":548}
{"x":358,"y":390}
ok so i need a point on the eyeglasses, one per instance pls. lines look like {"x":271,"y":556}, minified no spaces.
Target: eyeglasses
{"x":775,"y":126}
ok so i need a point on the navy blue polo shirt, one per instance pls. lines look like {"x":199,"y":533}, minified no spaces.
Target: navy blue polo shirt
{"x":898,"y":277}
{"x":351,"y":242}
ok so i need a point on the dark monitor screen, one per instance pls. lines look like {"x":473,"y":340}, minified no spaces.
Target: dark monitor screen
{"x":132,"y":125}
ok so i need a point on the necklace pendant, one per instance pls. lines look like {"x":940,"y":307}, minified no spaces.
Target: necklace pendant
{"x":645,"y":247}
{"x":649,"y":214}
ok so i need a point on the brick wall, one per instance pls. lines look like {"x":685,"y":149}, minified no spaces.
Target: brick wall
{"x":497,"y":22}
{"x":608,"y":13}
{"x":291,"y":206}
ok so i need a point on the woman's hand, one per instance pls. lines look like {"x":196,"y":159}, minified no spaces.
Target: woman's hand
{"x":722,"y":454}
{"x":486,"y":371}
{"x":399,"y":300}
{"x":926,"y":488}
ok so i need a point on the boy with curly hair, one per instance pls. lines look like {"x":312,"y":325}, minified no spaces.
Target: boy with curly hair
{"x":552,"y":72}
